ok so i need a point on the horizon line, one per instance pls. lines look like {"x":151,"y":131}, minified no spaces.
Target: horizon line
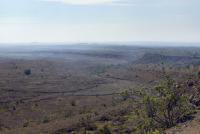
{"x":113,"y":43}
{"x":100,"y":42}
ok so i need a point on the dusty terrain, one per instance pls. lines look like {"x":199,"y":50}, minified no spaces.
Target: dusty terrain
{"x":67,"y":83}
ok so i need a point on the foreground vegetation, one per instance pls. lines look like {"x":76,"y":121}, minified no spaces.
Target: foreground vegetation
{"x":144,"y":111}
{"x":160,"y":108}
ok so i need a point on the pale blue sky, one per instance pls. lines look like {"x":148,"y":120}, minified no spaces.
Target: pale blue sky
{"x":99,"y":20}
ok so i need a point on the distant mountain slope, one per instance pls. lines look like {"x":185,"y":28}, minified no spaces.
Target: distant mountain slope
{"x":158,"y":58}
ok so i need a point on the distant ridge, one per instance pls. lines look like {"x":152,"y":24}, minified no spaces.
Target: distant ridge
{"x":158,"y":58}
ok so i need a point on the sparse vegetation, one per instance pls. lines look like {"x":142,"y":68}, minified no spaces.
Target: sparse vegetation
{"x":105,"y":117}
{"x":87,"y":123}
{"x":26,"y":124}
{"x":104,"y":130}
{"x":68,"y":114}
{"x":45,"y":119}
{"x":73,"y":103}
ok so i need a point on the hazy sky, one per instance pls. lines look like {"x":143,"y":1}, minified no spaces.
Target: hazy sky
{"x":99,"y":20}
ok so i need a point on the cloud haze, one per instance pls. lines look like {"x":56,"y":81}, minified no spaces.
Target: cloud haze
{"x":99,"y":20}
{"x":84,"y":2}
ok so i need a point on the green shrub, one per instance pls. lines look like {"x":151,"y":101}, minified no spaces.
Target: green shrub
{"x":125,"y":95}
{"x":168,"y":105}
{"x":162,"y":107}
{"x":45,"y":120}
{"x":104,"y":130}
{"x":87,"y":123}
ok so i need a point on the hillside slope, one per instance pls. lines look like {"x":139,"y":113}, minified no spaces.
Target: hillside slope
{"x":190,"y":127}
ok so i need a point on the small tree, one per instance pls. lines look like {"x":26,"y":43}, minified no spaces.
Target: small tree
{"x":27,"y":72}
